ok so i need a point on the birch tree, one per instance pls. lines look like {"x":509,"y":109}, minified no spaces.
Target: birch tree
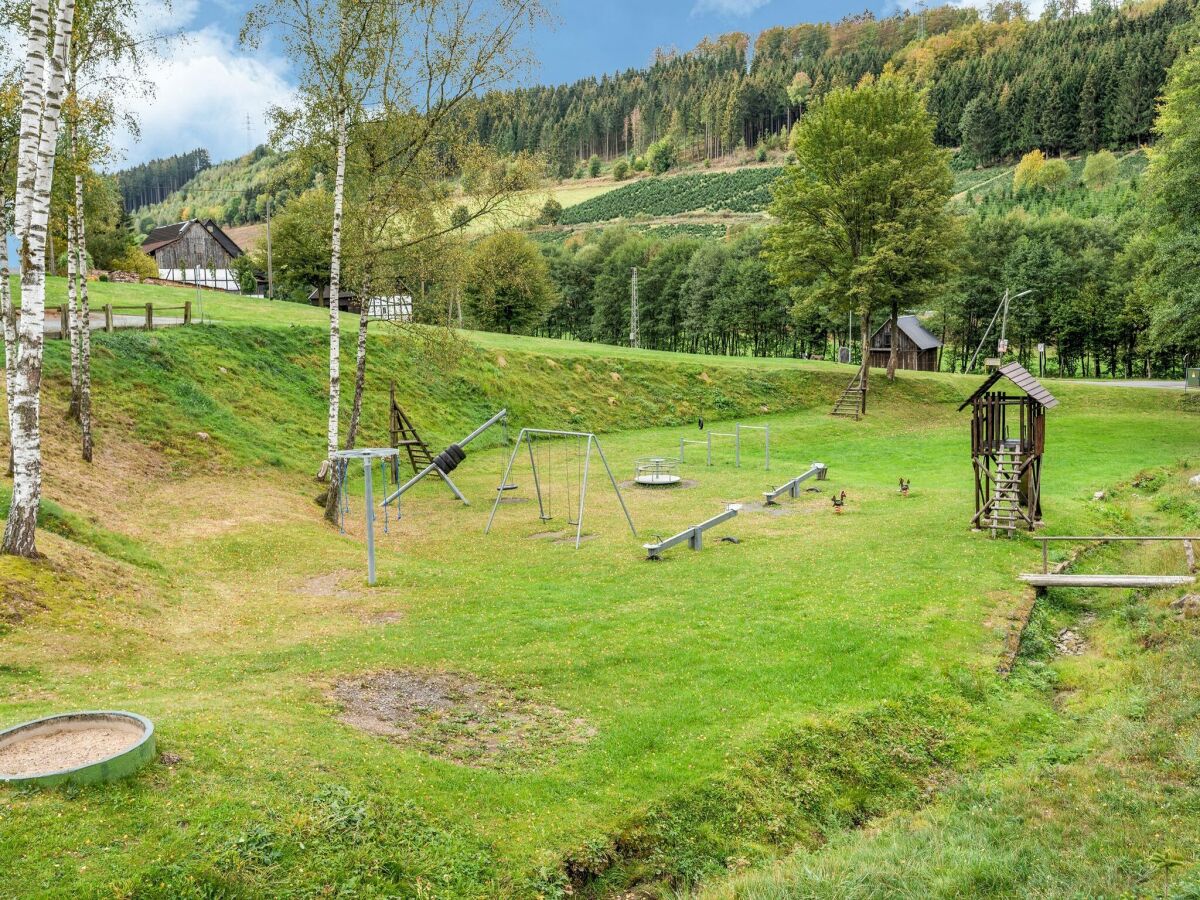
{"x":107,"y":53}
{"x":344,"y":48}
{"x":385,"y":68}
{"x":43,"y":83}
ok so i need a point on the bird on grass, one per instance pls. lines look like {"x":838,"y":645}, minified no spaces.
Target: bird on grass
{"x":839,"y":502}
{"x":904,"y":483}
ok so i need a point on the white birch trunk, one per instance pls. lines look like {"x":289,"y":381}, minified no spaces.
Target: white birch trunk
{"x":33,"y":201}
{"x":70,"y":327}
{"x":85,"y":325}
{"x":9,"y":326}
{"x":335,"y":336}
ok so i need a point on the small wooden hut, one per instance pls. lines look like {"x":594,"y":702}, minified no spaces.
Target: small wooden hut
{"x":1008,"y":440}
{"x":916,"y":348}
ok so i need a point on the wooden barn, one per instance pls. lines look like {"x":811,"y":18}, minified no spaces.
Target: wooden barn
{"x":918,"y":348}
{"x":194,"y":252}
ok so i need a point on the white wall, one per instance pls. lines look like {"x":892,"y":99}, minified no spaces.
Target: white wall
{"x":222,"y":279}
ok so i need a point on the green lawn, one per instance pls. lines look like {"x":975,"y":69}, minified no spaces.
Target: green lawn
{"x":228,"y":611}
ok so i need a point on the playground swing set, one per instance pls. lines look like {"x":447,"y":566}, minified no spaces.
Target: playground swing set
{"x":560,"y":464}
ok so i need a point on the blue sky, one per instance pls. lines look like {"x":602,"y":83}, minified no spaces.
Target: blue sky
{"x":208,"y":86}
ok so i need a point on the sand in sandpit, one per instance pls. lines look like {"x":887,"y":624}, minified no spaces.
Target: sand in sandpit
{"x":53,"y":751}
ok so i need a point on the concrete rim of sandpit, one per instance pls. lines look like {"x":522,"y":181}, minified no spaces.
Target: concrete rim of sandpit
{"x":111,"y":768}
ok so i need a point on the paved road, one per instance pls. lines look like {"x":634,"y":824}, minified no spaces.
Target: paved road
{"x":53,"y":328}
{"x":1143,"y":383}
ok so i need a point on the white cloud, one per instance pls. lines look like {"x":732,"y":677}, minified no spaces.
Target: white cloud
{"x":728,"y":7}
{"x":205,"y":87}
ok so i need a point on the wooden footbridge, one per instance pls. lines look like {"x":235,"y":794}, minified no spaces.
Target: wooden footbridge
{"x":1047,"y":579}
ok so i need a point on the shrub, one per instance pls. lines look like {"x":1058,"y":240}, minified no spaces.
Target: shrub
{"x":1054,"y":174}
{"x":761,"y":156}
{"x":621,"y":170}
{"x":135,"y":261}
{"x":1100,"y":170}
{"x":639,"y":164}
{"x":594,"y":166}
{"x":551,"y":212}
{"x":661,"y":156}
{"x":1029,"y":170}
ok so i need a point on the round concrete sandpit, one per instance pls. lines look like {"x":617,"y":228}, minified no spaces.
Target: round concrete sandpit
{"x":80,"y":748}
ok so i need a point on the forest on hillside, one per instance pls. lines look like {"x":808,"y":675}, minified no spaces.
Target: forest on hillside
{"x":153,"y":181}
{"x":1068,"y":81}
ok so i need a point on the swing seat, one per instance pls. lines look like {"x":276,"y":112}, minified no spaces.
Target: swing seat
{"x":506,"y":487}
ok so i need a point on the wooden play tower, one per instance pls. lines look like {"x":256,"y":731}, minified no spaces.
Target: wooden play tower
{"x":1008,"y":440}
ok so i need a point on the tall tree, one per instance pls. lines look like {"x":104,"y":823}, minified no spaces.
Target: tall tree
{"x":43,"y":82}
{"x":347,"y":50}
{"x":862,"y":216}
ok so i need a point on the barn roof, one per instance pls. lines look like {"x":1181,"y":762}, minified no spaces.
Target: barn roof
{"x":914,"y":331}
{"x":1015,"y":373}
{"x":165,"y":235}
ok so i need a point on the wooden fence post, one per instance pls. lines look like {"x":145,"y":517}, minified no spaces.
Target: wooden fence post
{"x":187,"y":312}
{"x":149,"y":316}
{"x":108,"y":318}
{"x":63,"y":323}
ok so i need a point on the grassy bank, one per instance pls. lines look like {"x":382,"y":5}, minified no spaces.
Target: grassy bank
{"x":657,"y":722}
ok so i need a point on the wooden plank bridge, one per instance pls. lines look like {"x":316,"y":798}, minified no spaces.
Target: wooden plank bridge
{"x":1047,"y":579}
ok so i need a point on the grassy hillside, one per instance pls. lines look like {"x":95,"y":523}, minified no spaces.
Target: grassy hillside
{"x":641,"y":723}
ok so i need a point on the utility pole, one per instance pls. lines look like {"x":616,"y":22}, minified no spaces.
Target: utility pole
{"x":634,"y":338}
{"x":270,"y":266}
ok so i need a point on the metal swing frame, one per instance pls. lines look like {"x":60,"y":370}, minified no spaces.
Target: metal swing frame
{"x":525,"y":437}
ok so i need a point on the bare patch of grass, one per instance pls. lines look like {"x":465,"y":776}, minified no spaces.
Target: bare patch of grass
{"x":452,"y":717}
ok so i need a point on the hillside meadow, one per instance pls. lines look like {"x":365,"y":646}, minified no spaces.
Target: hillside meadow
{"x":611,"y":723}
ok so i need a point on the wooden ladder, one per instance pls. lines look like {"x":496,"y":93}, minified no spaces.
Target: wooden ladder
{"x":849,"y":405}
{"x":1003,"y":509}
{"x":404,"y":436}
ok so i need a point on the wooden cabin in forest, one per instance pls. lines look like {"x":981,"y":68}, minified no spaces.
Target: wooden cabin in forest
{"x":194,"y":252}
{"x":918,"y":349}
{"x":1008,"y":440}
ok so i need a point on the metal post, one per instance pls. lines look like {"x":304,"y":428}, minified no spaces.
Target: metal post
{"x":537,"y":484}
{"x":681,"y":449}
{"x":587,"y":461}
{"x":612,"y":478}
{"x":737,"y":445}
{"x":64,"y":323}
{"x":108,"y":317}
{"x":369,"y":499}
{"x":710,"y":448}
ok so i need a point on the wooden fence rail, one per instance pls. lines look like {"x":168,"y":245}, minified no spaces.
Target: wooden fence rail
{"x":146,"y":311}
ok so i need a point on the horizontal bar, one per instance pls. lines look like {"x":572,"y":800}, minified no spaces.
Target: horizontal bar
{"x":755,"y":427}
{"x":558,"y":433}
{"x":722,"y":434}
{"x":1122,"y":537}
{"x":686,"y":441}
{"x":1106,"y":581}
